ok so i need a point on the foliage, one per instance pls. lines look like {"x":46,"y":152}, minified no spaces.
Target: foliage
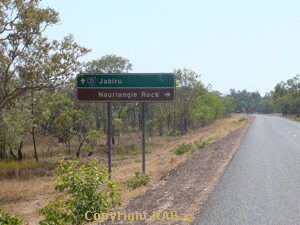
{"x":229,"y":106}
{"x":183,"y":148}
{"x":150,"y":126}
{"x":9,"y":219}
{"x":246,"y":102}
{"x":209,"y":108}
{"x":137,"y":180}
{"x":28,"y":60}
{"x":286,"y":96}
{"x":15,"y":123}
{"x":243,"y":119}
{"x":118,"y":127}
{"x":202,"y":145}
{"x":91,"y":138}
{"x":266,"y":106}
{"x":109,"y":64}
{"x":81,"y":185}
{"x":130,"y":129}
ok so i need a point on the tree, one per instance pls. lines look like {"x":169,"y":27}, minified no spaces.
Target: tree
{"x":229,"y":106}
{"x":15,"y":123}
{"x":28,"y":60}
{"x":109,"y":64}
{"x":187,"y":90}
{"x":209,"y":108}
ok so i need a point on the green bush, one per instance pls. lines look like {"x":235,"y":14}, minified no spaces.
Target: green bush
{"x":130,"y":129}
{"x":183,"y":148}
{"x":243,"y":119}
{"x":137,"y":180}
{"x":202,"y":145}
{"x":240,"y":120}
{"x":9,"y":219}
{"x":81,"y":185}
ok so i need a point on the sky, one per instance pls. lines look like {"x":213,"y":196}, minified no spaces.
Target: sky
{"x":249,"y":45}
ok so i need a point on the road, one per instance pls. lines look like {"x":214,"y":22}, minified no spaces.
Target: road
{"x":261,"y":184}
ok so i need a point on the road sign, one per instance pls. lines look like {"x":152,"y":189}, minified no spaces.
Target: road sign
{"x":126,"y":87}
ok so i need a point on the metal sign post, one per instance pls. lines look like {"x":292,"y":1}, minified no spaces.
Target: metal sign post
{"x":143,"y":138}
{"x":126,"y":87}
{"x":109,"y":138}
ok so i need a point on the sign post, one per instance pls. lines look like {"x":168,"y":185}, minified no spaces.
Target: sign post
{"x":143,"y":138}
{"x":126,"y":87}
{"x":109,"y":137}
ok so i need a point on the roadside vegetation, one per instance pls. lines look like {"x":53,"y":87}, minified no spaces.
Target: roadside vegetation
{"x":286,"y":97}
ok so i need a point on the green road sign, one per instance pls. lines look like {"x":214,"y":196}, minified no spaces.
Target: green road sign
{"x":154,"y":87}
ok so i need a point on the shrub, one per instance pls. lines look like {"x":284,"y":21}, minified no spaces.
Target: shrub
{"x":199,"y":146}
{"x":81,"y":186}
{"x":243,"y":119}
{"x":9,"y":219}
{"x":130,"y":129}
{"x":137,"y":180}
{"x":183,"y":148}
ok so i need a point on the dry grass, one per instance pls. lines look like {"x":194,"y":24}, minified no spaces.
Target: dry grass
{"x":24,"y":197}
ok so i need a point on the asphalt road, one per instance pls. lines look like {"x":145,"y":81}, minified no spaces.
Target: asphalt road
{"x":261,"y":184}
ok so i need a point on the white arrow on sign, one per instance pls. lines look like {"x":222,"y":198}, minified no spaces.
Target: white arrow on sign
{"x":82,"y":80}
{"x":167,"y":94}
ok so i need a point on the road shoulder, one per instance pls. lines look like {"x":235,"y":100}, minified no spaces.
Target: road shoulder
{"x":185,"y":189}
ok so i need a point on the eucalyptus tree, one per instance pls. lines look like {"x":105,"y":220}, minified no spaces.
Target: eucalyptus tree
{"x":29,"y":61}
{"x":15,"y":123}
{"x":188,"y":87}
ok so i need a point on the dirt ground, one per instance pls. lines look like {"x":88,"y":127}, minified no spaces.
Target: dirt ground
{"x":185,"y":188}
{"x":180,"y":194}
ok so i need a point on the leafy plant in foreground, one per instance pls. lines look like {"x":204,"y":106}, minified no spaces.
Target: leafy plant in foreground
{"x":81,"y":186}
{"x":9,"y":219}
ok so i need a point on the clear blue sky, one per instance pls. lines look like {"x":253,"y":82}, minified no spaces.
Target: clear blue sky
{"x":232,"y":44}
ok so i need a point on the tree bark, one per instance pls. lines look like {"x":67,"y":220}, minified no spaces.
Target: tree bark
{"x":12,"y":154}
{"x":80,"y":145}
{"x":2,"y":151}
{"x":34,"y":144}
{"x":20,"y":155}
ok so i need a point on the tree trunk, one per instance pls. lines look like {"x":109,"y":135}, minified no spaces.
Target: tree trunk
{"x":98,"y":123}
{"x":2,"y":151}
{"x":12,"y":154}
{"x":80,"y":145}
{"x":105,"y":124}
{"x":34,"y":144}
{"x":20,"y":155}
